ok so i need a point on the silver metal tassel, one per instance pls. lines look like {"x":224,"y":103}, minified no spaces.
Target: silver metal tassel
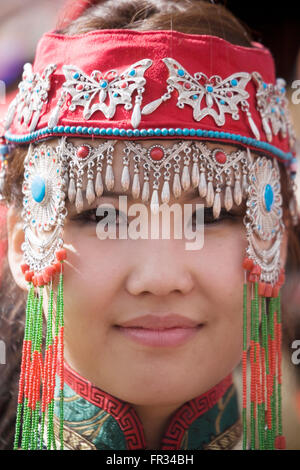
{"x":245,"y":185}
{"x":146,"y":191}
{"x":99,"y":184}
{"x":125,"y":179}
{"x":150,"y":107}
{"x":90,"y":193}
{"x":136,"y":115}
{"x":217,"y":205}
{"x":79,"y":200}
{"x":109,"y":177}
{"x":71,"y":190}
{"x":237,"y":194}
{"x":210,"y":194}
{"x":228,"y":202}
{"x":185,"y":179}
{"x":176,"y":186}
{"x":136,"y":188}
{"x":165,"y":194}
{"x":202,"y":185}
{"x":154,"y":202}
{"x":195,"y":175}
{"x":53,"y":120}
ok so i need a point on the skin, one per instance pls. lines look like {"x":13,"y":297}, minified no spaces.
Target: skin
{"x":112,"y":281}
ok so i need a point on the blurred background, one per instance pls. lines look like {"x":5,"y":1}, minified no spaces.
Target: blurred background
{"x":275,"y":24}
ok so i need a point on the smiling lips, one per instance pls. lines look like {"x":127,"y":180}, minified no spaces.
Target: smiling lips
{"x":160,"y":331}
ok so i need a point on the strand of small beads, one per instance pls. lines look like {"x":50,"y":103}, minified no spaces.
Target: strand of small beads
{"x":244,"y":364}
{"x":29,"y":380}
{"x":271,"y":341}
{"x":280,"y":439}
{"x":48,"y":356}
{"x":25,"y":361}
{"x":264,"y":364}
{"x":253,"y":376}
{"x":34,"y":371}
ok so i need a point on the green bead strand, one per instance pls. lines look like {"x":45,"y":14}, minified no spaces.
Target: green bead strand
{"x":245,"y":320}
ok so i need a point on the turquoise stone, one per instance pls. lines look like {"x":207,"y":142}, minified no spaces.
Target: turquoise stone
{"x":38,"y":188}
{"x":269,"y":197}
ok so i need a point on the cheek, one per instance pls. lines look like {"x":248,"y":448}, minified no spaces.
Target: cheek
{"x":221,"y":264}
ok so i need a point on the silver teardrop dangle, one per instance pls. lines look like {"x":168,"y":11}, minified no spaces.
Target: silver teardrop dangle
{"x":125,"y":179}
{"x":185,"y":179}
{"x":165,"y":194}
{"x":154,"y":205}
{"x":195,"y":175}
{"x":79,"y":200}
{"x":237,"y":194}
{"x":90,"y":193}
{"x":228,"y":201}
{"x":136,"y":188}
{"x":202,"y":188}
{"x":176,"y":186}
{"x":99,"y":184}
{"x":71,"y":190}
{"x":217,"y":204}
{"x":210,"y":194}
{"x":109,"y":177}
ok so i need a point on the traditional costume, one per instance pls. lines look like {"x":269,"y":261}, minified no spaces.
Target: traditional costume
{"x":132,"y":86}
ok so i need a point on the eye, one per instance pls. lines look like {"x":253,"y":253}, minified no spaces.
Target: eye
{"x":209,"y":217}
{"x":90,"y":216}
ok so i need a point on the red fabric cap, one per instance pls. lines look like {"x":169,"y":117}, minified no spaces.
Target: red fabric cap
{"x":119,"y":49}
{"x":261,"y":288}
{"x":24,"y":268}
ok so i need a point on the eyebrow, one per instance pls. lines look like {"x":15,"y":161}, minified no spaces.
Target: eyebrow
{"x":186,"y":196}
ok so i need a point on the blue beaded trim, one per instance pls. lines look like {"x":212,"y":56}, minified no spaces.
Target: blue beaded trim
{"x":158,"y":132}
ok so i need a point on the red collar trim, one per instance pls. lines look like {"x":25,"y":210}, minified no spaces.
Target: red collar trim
{"x":128,"y":419}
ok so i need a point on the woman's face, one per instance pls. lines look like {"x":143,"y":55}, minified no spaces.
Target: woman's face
{"x":110,"y":282}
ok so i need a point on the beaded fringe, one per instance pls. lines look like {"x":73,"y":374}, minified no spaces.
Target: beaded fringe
{"x":265,"y":369}
{"x":38,"y":374}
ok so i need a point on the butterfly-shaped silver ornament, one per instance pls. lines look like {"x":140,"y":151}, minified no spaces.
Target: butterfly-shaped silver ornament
{"x":32,"y":95}
{"x":103,"y":91}
{"x":212,"y":96}
{"x":273,"y":107}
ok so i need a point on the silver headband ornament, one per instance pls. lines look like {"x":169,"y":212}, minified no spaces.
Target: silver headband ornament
{"x":53,"y":174}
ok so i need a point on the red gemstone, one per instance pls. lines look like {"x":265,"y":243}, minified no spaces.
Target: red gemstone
{"x":123,"y":85}
{"x":156,"y":153}
{"x":83,"y":151}
{"x":79,"y":87}
{"x":229,"y":94}
{"x":221,"y":157}
{"x":187,"y":86}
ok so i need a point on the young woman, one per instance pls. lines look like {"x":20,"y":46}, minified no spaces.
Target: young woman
{"x":152,"y":331}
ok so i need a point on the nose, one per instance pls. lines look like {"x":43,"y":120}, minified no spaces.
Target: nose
{"x":160,"y":267}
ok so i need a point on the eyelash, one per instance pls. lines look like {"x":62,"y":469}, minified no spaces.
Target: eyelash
{"x":85,"y":217}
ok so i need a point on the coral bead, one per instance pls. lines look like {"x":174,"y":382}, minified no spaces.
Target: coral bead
{"x":280,"y":442}
{"x":221,"y":157}
{"x":24,"y":268}
{"x":29,"y":276}
{"x":59,"y":267}
{"x":261,"y":288}
{"x":156,"y":153}
{"x":61,"y":254}
{"x":275,"y":291}
{"x":50,"y":271}
{"x":256,"y":270}
{"x":83,"y":151}
{"x":248,"y":264}
{"x":268,"y":290}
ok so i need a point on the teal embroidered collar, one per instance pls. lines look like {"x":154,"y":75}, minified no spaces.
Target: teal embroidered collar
{"x":94,"y":419}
